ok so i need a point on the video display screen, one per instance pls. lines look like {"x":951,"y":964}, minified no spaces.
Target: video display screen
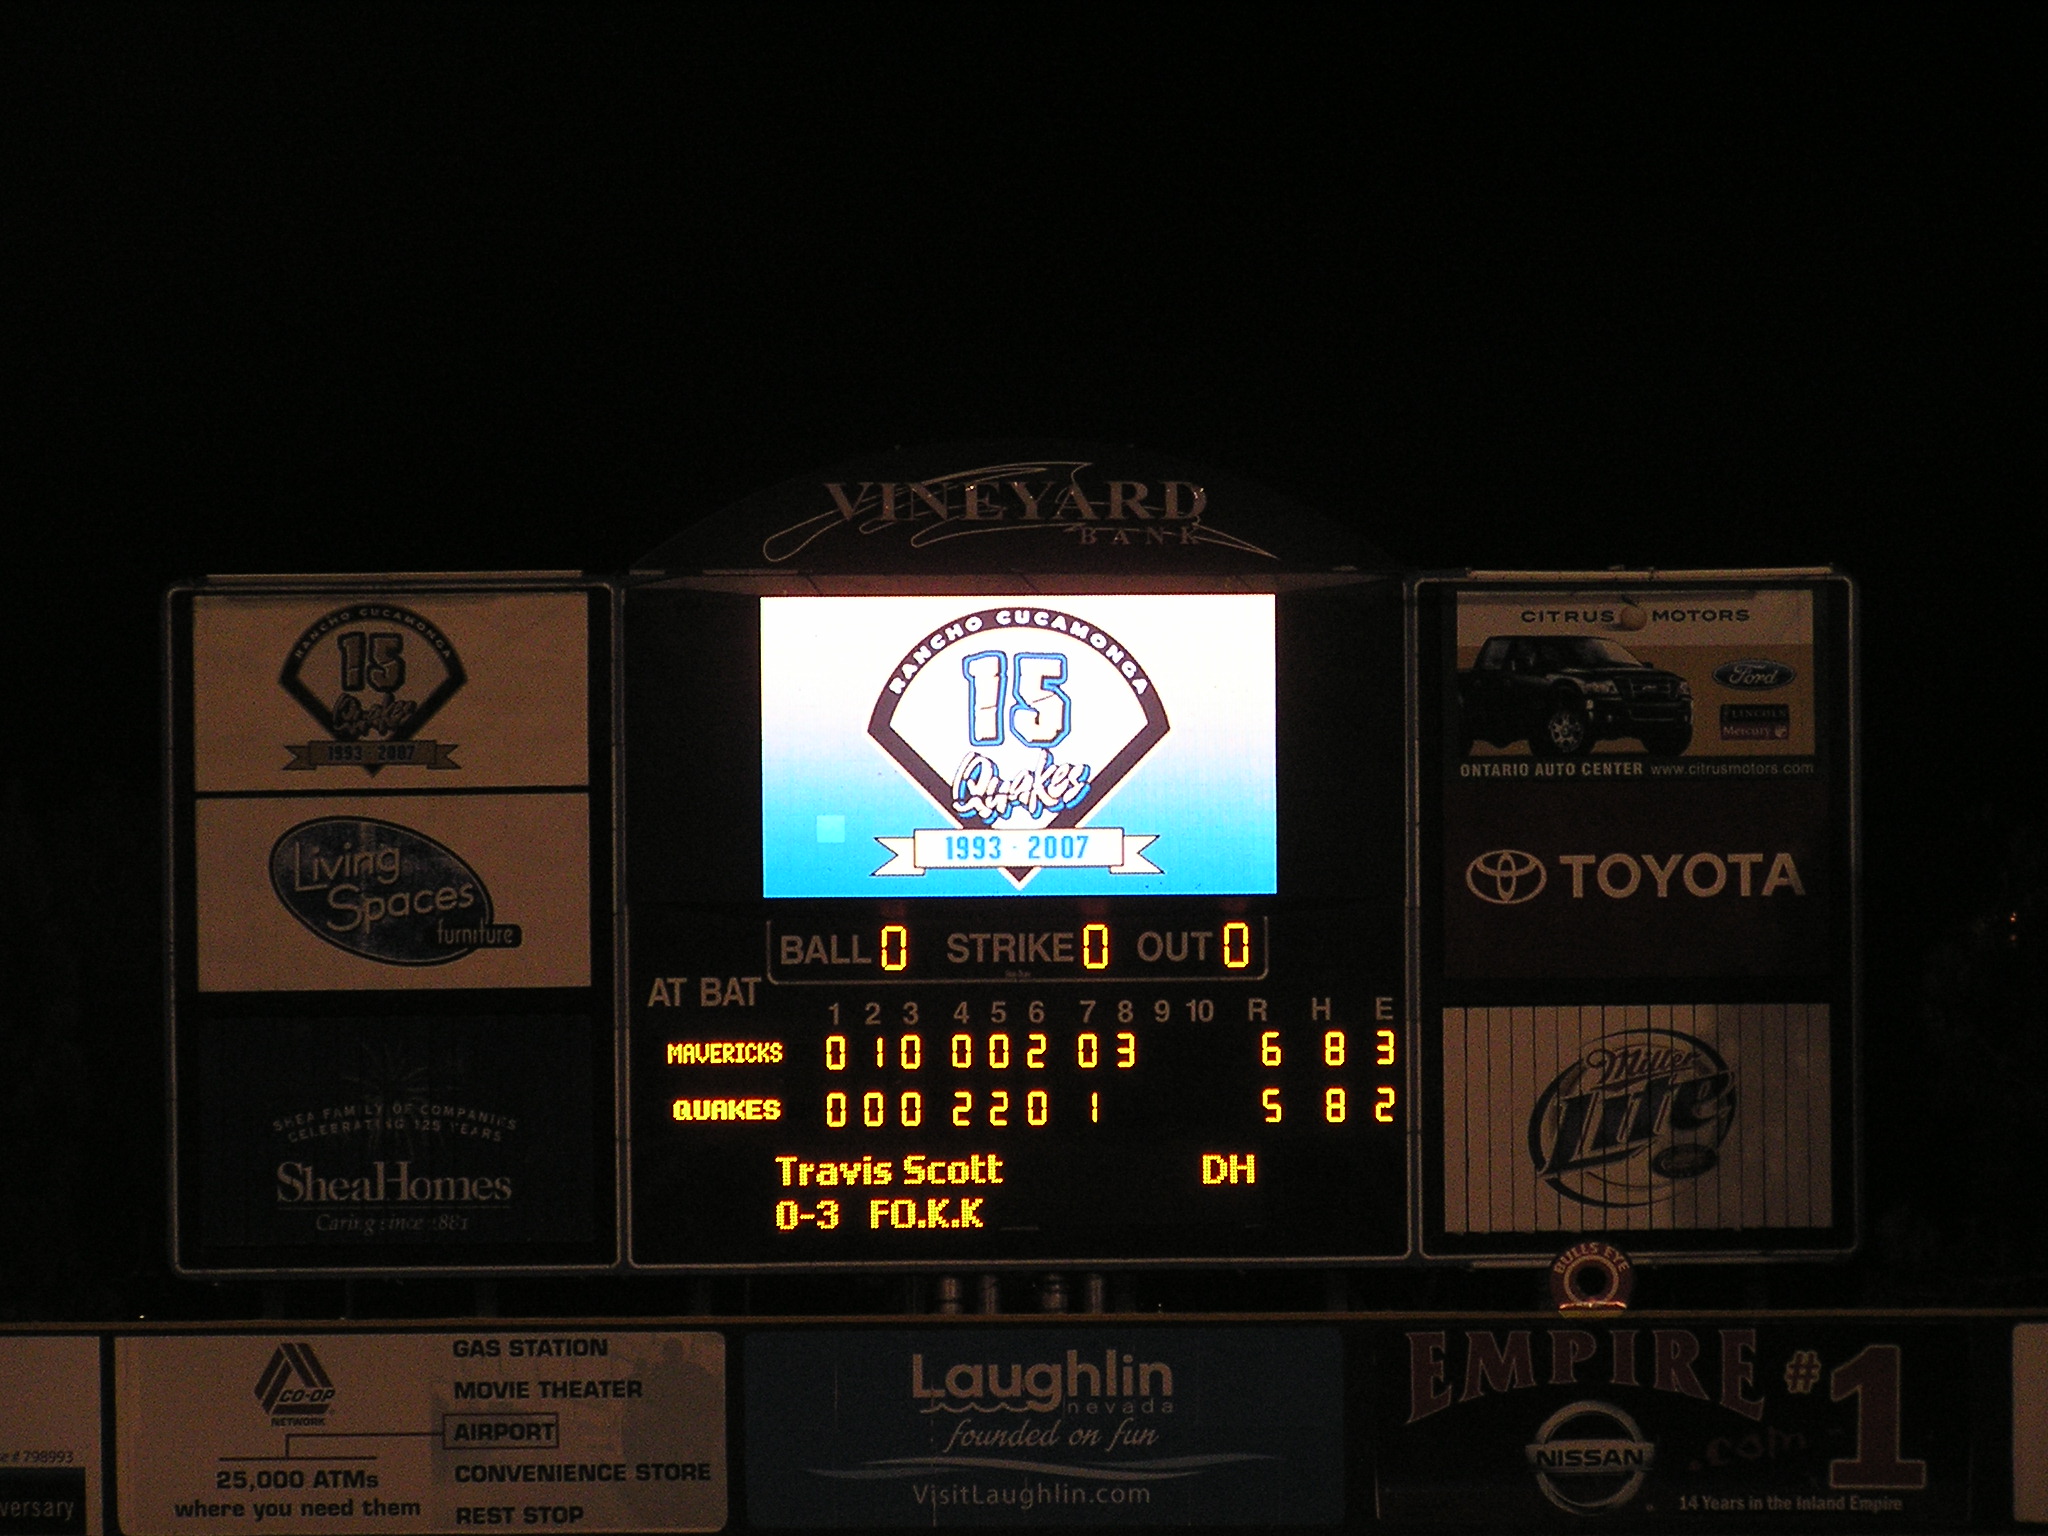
{"x":1061,"y":746}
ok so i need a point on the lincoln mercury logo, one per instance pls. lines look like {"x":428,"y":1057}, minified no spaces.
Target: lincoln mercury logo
{"x":1590,"y":1457}
{"x":294,"y":1388}
{"x":1043,"y":497}
{"x":1636,"y":1114}
{"x":1506,"y":877}
{"x":385,"y":892}
{"x":371,"y":675}
{"x":1018,"y":723}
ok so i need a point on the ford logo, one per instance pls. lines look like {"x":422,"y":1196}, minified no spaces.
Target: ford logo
{"x":384,"y":892}
{"x":1753,"y":674}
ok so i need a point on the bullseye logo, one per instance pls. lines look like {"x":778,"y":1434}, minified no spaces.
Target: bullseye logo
{"x":1638,"y":1113}
{"x":1018,"y":723}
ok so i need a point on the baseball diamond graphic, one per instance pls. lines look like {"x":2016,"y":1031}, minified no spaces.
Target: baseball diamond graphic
{"x":1060,"y":640}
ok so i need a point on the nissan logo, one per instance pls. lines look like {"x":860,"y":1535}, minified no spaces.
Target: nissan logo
{"x":1506,"y":877}
{"x":1590,"y":1456}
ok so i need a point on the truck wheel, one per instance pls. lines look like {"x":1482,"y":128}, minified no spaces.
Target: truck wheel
{"x":1564,"y":733}
{"x":1667,"y":741}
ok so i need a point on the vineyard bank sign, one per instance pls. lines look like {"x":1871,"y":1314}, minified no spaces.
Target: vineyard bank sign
{"x":1056,"y":497}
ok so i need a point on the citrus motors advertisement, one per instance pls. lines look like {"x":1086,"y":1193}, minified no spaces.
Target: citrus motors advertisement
{"x":1565,"y":675}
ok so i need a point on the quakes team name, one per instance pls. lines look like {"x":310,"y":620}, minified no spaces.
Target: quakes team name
{"x":1446,"y":1368}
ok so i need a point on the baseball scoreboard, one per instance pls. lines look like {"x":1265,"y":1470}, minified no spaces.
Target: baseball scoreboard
{"x":1066,"y":860}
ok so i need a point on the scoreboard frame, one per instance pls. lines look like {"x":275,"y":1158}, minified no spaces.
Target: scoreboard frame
{"x":248,"y":1016}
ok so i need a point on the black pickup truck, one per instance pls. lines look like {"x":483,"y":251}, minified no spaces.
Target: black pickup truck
{"x":1562,"y":693}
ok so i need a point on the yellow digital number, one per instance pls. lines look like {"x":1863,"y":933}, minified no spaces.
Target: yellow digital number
{"x":963,"y":1106}
{"x":1095,"y":946}
{"x":895,"y":947}
{"x":1384,"y":1056}
{"x":1270,"y":1101}
{"x":1333,"y":1048}
{"x":1269,"y":1048}
{"x":1126,"y":1049}
{"x":1336,"y":1104}
{"x":1383,"y":1111}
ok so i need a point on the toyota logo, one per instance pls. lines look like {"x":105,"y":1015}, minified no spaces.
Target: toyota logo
{"x":1506,"y":877}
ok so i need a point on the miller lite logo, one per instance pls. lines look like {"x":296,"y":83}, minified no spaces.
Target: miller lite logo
{"x":1638,"y":1112}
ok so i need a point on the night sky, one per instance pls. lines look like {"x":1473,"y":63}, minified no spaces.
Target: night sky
{"x":515,"y":287}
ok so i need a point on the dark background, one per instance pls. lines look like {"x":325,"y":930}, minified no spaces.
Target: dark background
{"x":452,"y":287}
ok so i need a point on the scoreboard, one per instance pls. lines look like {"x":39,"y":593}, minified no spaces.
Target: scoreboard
{"x":1054,"y":925}
{"x":975,"y":861}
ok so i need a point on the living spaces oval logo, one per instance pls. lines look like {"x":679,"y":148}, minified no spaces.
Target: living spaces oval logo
{"x":385,"y":892}
{"x":1636,"y":1114}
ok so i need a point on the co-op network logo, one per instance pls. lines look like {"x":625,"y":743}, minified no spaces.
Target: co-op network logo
{"x":1508,"y":877}
{"x":295,"y":1388}
{"x":1590,"y":1457}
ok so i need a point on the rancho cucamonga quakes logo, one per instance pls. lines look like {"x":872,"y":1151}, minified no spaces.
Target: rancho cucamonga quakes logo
{"x":372,"y":675}
{"x":1018,"y":723}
